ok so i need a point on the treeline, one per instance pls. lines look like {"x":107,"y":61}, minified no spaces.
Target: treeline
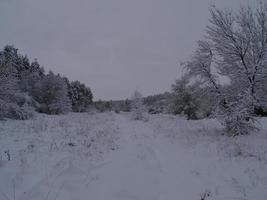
{"x":25,"y":88}
{"x":184,"y":99}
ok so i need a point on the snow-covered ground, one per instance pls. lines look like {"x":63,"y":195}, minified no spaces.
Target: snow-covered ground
{"x":109,"y":156}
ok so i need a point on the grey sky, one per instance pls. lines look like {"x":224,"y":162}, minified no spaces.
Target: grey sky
{"x":114,"y":46}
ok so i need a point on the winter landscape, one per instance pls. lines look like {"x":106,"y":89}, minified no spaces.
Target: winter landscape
{"x":204,"y":138}
{"x":110,"y":156}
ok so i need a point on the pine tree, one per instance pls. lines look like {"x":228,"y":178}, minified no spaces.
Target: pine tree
{"x":80,"y":95}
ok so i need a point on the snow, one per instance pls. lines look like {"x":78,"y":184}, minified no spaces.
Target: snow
{"x":108,"y":156}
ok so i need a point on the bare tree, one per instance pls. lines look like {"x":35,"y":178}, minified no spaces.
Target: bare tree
{"x":236,"y":48}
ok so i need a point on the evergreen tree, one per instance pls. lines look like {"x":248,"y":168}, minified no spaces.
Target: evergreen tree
{"x":80,"y":95}
{"x":52,"y":94}
{"x":24,"y":86}
{"x":13,"y":103}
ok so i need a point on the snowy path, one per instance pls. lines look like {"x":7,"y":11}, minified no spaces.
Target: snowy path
{"x":146,"y":166}
{"x":133,"y":172}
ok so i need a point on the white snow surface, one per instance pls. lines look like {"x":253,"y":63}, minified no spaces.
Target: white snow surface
{"x":108,"y":156}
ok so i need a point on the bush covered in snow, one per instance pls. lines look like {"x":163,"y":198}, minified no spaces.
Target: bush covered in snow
{"x":137,"y":106}
{"x":190,"y":99}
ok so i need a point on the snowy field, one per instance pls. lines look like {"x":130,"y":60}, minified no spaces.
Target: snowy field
{"x":109,"y":156}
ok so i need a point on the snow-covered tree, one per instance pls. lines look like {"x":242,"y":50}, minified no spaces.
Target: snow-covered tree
{"x":52,"y":94}
{"x":30,"y":77}
{"x":137,"y":106}
{"x":189,"y":99}
{"x":24,"y":86}
{"x":236,"y":48}
{"x":80,"y":95}
{"x":182,"y":101}
{"x":236,"y":116}
{"x":13,"y":103}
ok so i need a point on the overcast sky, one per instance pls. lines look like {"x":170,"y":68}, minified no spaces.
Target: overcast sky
{"x":113,"y":46}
